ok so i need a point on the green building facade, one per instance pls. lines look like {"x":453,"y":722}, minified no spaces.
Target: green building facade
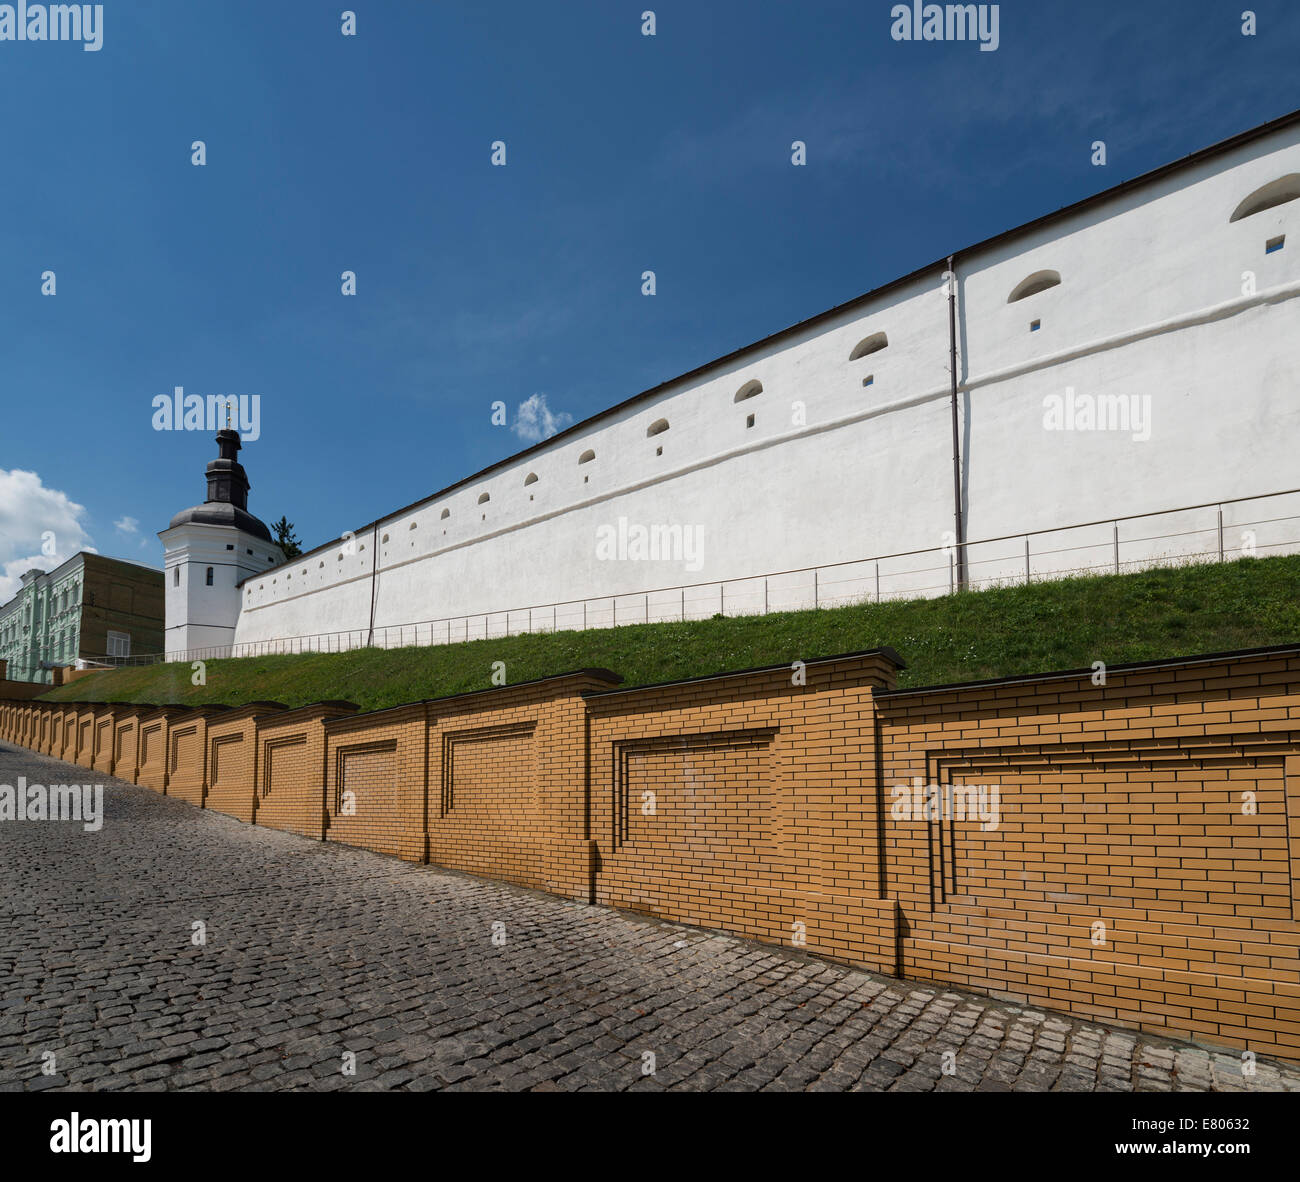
{"x":89,"y":608}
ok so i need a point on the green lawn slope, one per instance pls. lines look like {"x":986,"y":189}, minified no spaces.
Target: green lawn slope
{"x":1001,"y":632}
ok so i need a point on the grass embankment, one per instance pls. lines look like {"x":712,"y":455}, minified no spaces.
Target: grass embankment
{"x":996,"y":633}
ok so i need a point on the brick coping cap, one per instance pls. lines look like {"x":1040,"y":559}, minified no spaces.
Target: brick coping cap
{"x":602,"y":674}
{"x":886,"y":652}
{"x":293,"y":715}
{"x":1244,"y":654}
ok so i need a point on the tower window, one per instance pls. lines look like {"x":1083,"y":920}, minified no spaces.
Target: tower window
{"x":869,"y":379}
{"x":1035,"y":325}
{"x":751,"y":389}
{"x":658,"y":427}
{"x":587,"y":456}
{"x":749,"y":421}
{"x":208,"y":578}
{"x":484,"y":498}
{"x":230,"y":545}
{"x":176,"y":576}
{"x":1273,"y":245}
{"x":531,"y":478}
{"x":445,"y":514}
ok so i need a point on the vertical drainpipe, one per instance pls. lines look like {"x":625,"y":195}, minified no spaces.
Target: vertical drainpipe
{"x":374,"y":568}
{"x":956,"y":438}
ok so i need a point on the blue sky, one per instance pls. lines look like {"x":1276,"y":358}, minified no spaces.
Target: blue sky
{"x":371,"y":153}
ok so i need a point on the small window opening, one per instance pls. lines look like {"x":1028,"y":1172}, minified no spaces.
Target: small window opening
{"x":1035,"y":325}
{"x":749,"y":421}
{"x":209,"y":577}
{"x":869,"y":379}
{"x":749,"y":390}
{"x":1274,"y":244}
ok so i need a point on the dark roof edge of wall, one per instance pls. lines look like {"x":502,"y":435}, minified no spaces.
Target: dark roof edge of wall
{"x":1243,"y":654}
{"x":1236,"y":141}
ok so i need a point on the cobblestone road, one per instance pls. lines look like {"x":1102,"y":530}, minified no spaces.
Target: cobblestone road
{"x":317,"y":951}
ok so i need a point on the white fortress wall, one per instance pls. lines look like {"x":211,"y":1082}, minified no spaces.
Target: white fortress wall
{"x":1150,"y":303}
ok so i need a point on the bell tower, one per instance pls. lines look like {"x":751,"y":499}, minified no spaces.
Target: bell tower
{"x":208,"y":550}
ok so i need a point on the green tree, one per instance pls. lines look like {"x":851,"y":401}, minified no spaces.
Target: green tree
{"x":285,"y":538}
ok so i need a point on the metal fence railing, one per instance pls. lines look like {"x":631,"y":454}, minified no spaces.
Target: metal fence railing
{"x":1212,"y":532}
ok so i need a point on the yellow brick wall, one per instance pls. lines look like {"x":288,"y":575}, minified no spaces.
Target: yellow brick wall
{"x":1141,"y":866}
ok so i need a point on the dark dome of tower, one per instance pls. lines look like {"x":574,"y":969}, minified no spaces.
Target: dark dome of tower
{"x":228,"y":486}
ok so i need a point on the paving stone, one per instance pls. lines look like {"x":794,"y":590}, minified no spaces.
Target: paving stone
{"x":316,"y":950}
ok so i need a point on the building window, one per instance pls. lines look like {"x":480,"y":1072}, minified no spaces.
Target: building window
{"x":531,"y":478}
{"x":176,"y":576}
{"x":230,"y":545}
{"x":587,"y":456}
{"x":1033,"y":284}
{"x":484,"y":498}
{"x":1274,"y":244}
{"x":751,"y":389}
{"x":119,"y":644}
{"x":1035,"y":325}
{"x":872,"y":344}
{"x":658,"y":427}
{"x":1275,"y":193}
{"x":869,"y":379}
{"x":749,"y":421}
{"x":208,"y":579}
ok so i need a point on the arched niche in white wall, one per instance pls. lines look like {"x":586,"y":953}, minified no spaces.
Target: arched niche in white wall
{"x":1033,"y":284}
{"x":872,"y":344}
{"x":750,"y":389}
{"x":1278,"y":192}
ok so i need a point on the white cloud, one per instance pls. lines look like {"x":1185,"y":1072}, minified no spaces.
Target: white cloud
{"x":127,"y":525}
{"x":39,"y":527}
{"x":535,"y":421}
